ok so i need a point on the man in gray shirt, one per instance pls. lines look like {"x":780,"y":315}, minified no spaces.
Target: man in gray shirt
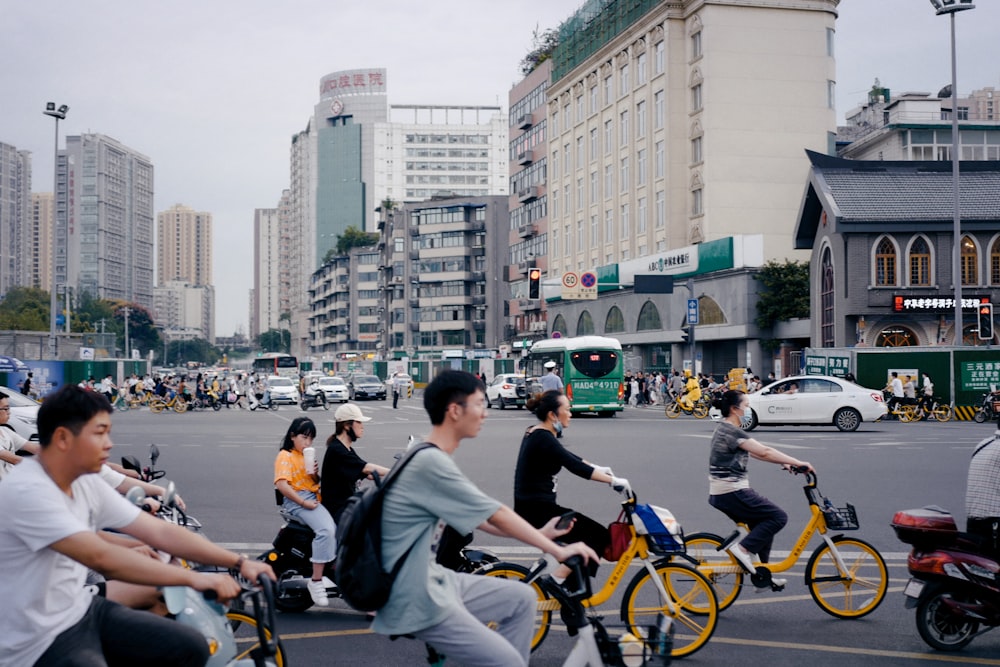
{"x":550,"y":381}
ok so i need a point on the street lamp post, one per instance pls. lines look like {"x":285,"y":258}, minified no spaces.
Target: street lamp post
{"x":951,"y":7}
{"x":58,"y":113}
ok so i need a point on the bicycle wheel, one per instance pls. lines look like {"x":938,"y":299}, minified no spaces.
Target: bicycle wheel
{"x":180,"y":406}
{"x":700,"y":410}
{"x":907,"y":413}
{"x":720,"y":567}
{"x":121,"y":405}
{"x":942,"y":413}
{"x":546,"y":605}
{"x":850,"y":594}
{"x":695,"y":613}
{"x":157,"y":406}
{"x":244,"y":629}
{"x":673,"y":410}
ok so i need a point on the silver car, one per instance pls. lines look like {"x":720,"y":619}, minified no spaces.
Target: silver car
{"x":334,"y":388}
{"x":23,"y":414}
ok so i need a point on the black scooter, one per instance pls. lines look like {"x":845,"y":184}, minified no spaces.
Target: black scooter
{"x":955,"y":579}
{"x":316,"y":400}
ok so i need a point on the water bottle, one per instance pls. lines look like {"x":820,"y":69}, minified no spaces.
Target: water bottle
{"x":661,"y":638}
{"x":309,"y":453}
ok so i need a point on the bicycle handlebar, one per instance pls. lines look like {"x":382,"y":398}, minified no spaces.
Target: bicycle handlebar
{"x":811,"y":478}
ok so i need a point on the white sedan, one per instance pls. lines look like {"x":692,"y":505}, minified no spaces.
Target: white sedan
{"x":816,"y":400}
{"x":506,"y":389}
{"x":335,"y":388}
{"x":23,"y":414}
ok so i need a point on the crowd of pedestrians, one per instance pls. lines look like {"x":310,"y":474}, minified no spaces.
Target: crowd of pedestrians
{"x":653,"y":388}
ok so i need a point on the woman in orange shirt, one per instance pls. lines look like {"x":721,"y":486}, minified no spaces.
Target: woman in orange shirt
{"x":300,"y":488}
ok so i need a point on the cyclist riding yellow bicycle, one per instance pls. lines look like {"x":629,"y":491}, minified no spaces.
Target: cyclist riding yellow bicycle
{"x":729,"y":486}
{"x":692,"y":391}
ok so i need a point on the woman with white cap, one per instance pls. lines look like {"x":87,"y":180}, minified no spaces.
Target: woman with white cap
{"x":342,"y":467}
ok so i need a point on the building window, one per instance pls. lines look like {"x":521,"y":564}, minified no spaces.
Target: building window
{"x":830,"y":35}
{"x":607,"y":89}
{"x":661,"y":210}
{"x":696,"y":45}
{"x":970,"y":262}
{"x":623,"y":126}
{"x":658,"y":57}
{"x":896,"y":336}
{"x":567,"y":249}
{"x":995,"y":263}
{"x":623,"y":80}
{"x":579,"y":108}
{"x":579,"y":194}
{"x":920,"y":262}
{"x":649,"y":318}
{"x":609,"y":181}
{"x":640,"y":68}
{"x":696,"y":97}
{"x":554,"y":121}
{"x":640,"y":167}
{"x":623,"y":175}
{"x":555,"y":242}
{"x":658,"y":109}
{"x":696,"y":202}
{"x":625,"y":225}
{"x":609,"y":227}
{"x":593,"y":144}
{"x":831,"y":94}
{"x":580,"y":239}
{"x":640,"y":119}
{"x":555,"y":203}
{"x":585,"y":324}
{"x":609,"y":137}
{"x":594,"y":231}
{"x":696,"y":150}
{"x":555,"y":165}
{"x":593,"y":187}
{"x":827,"y":299}
{"x":593,"y":99}
{"x":658,"y":160}
{"x":885,"y":263}
{"x":580,"y":156}
{"x":614,"y":322}
{"x":640,"y":223}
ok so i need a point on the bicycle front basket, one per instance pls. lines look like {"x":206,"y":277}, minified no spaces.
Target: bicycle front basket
{"x":663,"y":532}
{"x":841,"y":518}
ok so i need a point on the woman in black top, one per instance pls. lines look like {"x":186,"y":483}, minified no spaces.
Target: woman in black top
{"x":539,"y":462}
{"x":342,"y":467}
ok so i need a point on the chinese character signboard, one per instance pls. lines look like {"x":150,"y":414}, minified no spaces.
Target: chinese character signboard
{"x":815,"y":365}
{"x":931,"y":304}
{"x":979,"y":375}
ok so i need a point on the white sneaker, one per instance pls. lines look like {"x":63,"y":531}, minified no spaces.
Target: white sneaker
{"x":743,"y":557}
{"x":317,"y":591}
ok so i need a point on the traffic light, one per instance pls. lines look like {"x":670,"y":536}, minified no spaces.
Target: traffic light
{"x":986,"y":321}
{"x":685,"y":336}
{"x":534,"y":283}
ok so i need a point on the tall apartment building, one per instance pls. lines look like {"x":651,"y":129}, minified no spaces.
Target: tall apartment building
{"x":186,"y":311}
{"x":16,"y":236}
{"x":42,"y":219}
{"x":266,"y":306}
{"x":358,"y":151}
{"x":184,"y":246}
{"x":529,"y":224}
{"x":433,"y":283}
{"x":104,"y":219}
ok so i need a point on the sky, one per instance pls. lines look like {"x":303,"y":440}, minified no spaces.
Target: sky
{"x":212,"y":92}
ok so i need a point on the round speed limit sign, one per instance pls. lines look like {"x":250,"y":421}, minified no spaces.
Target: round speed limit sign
{"x":569,"y":280}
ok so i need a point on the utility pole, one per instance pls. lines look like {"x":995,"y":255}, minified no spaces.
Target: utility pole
{"x":128,"y":348}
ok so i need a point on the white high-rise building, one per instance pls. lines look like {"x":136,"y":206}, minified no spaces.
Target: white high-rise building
{"x":104,"y":220}
{"x":268,"y":266}
{"x":16,"y":236}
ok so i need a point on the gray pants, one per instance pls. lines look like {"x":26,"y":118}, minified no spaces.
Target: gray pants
{"x":464,"y":637}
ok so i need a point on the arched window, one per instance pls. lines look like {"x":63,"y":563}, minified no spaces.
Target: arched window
{"x":920,"y":262}
{"x":826,"y":296}
{"x":995,"y":262}
{"x":885,"y":263}
{"x":896,"y":336}
{"x":614,"y":322}
{"x":585,"y":325}
{"x":970,"y":262}
{"x":649,"y":318}
{"x":709,"y":311}
{"x":559,"y":324}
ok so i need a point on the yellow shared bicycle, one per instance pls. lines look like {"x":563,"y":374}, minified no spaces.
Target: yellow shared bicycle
{"x":662,"y":585}
{"x":847,"y":577}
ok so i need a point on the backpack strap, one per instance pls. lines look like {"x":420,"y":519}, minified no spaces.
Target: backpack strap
{"x":383,"y":487}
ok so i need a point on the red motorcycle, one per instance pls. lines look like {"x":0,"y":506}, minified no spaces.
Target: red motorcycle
{"x":955,"y":579}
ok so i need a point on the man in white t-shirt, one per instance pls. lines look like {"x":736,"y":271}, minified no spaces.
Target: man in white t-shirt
{"x":52,"y":510}
{"x":10,"y":441}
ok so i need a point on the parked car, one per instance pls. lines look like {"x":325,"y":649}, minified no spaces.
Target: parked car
{"x":282,"y":390}
{"x":23,"y":415}
{"x":506,"y":389}
{"x":335,"y":389}
{"x":816,"y":400}
{"x":365,"y":386}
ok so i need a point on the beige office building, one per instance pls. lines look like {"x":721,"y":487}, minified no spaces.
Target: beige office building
{"x":689,"y":125}
{"x":42,"y":213}
{"x":183,"y":246}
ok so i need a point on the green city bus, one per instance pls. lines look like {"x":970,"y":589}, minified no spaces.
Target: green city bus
{"x":590,"y":367}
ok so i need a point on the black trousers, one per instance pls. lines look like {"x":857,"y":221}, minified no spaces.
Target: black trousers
{"x":585,"y":530}
{"x":110,"y":634}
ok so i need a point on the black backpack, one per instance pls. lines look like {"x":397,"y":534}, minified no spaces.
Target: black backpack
{"x":362,"y":580}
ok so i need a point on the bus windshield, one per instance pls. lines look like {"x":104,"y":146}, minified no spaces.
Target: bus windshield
{"x":594,"y":363}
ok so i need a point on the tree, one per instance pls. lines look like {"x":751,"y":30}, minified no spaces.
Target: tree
{"x":25,"y":309}
{"x":542,"y":46}
{"x":275,"y":340}
{"x":354,"y":238}
{"x":785,"y":293}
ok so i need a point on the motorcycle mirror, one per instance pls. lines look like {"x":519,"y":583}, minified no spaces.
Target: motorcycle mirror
{"x":154,"y":453}
{"x":135,"y":495}
{"x":170,"y":495}
{"x":129,"y":462}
